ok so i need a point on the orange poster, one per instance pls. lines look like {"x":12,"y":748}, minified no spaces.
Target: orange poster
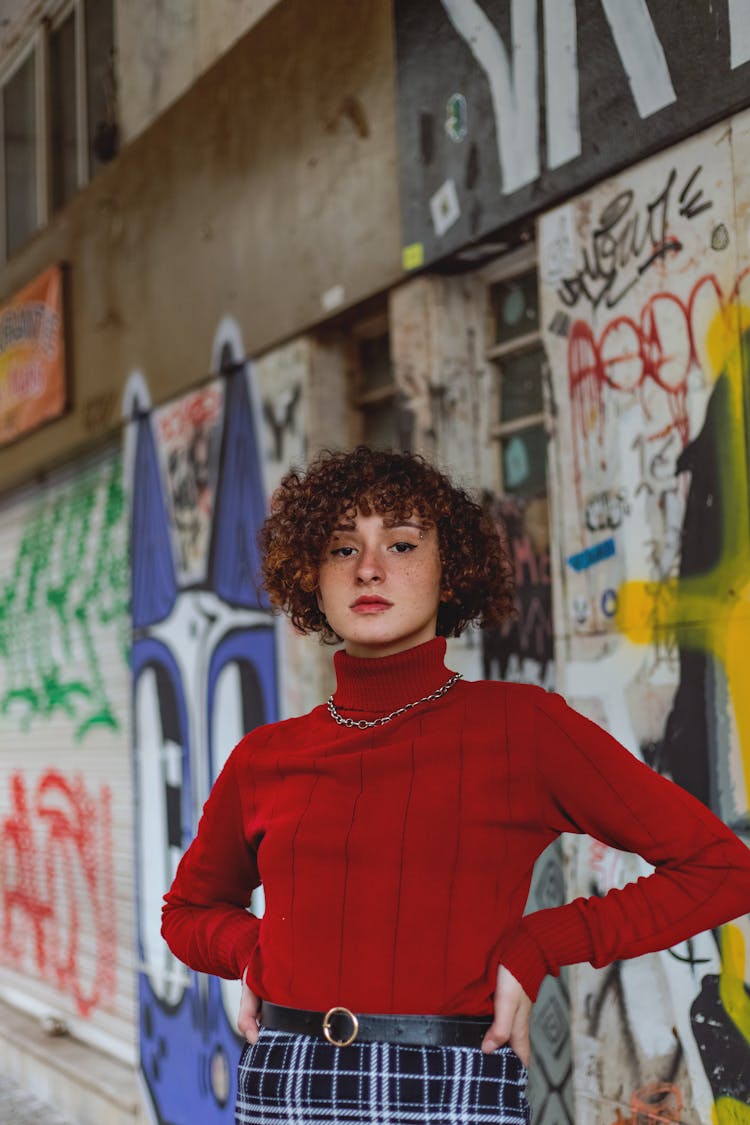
{"x":32,"y":356}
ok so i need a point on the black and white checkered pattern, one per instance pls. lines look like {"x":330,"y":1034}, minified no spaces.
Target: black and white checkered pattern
{"x":301,"y":1080}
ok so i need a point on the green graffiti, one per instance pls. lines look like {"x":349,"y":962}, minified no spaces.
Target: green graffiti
{"x":67,"y":589}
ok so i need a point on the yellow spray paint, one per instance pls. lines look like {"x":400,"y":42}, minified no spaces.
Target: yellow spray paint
{"x":711,"y":612}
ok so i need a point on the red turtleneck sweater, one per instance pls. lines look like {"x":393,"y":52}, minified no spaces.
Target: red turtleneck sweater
{"x":396,"y":860}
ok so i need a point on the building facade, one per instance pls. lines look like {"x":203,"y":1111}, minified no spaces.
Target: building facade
{"x":512,"y":236}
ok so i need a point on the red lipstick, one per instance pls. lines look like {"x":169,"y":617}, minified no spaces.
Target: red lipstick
{"x":370,"y":603}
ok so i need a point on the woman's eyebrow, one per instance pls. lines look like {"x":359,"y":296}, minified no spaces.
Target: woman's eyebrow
{"x":388,"y":525}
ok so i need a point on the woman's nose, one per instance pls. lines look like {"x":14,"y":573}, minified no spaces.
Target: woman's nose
{"x":370,"y":568}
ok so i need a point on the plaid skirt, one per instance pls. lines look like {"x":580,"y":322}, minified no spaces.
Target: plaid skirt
{"x":301,"y":1080}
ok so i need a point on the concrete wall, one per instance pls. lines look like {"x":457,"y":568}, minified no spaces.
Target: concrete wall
{"x":163,"y":48}
{"x":645,"y":304}
{"x":267,"y":193}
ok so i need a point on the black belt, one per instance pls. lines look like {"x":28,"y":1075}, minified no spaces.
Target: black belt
{"x":341,"y":1027}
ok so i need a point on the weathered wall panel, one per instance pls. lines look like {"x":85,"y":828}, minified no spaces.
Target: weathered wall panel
{"x":66,"y":883}
{"x":645,"y":306}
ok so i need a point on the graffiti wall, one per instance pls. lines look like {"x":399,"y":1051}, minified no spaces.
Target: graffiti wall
{"x":646,"y":307}
{"x":204,"y":673}
{"x":65,"y":797}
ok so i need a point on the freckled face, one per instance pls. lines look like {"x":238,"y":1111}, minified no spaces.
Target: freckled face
{"x":379,"y":584}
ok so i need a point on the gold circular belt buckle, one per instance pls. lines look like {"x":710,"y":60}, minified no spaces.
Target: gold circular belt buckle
{"x":327,"y":1027}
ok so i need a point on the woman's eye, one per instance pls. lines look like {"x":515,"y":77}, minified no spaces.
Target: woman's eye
{"x":342,"y":552}
{"x":403,"y":548}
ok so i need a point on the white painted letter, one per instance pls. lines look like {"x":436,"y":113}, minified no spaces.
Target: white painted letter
{"x":739,"y":32}
{"x":561,"y":74}
{"x":641,"y":53}
{"x":513,"y":84}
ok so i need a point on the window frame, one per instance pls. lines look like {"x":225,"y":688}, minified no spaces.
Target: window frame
{"x":368,"y":328}
{"x":26,"y":49}
{"x":53,"y":14}
{"x":62,"y":12}
{"x":504,"y":269}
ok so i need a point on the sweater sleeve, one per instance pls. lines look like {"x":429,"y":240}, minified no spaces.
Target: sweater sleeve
{"x":205,"y":920}
{"x":589,"y":783}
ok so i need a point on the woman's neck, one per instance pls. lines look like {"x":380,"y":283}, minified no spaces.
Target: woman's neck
{"x":382,"y":684}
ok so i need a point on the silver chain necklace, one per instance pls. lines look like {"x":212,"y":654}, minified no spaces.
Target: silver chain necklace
{"x":363,"y":724}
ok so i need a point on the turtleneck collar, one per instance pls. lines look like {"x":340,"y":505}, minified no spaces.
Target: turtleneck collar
{"x":384,"y":683}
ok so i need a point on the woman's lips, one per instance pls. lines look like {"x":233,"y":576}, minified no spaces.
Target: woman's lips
{"x":371,"y":606}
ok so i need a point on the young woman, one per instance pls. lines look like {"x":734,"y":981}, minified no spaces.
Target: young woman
{"x":396,"y":827}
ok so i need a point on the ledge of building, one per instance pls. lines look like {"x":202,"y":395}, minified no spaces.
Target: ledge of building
{"x":81,"y":1082}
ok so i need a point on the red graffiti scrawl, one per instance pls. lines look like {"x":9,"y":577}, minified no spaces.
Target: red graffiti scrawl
{"x":57,"y":885}
{"x":631,"y":352}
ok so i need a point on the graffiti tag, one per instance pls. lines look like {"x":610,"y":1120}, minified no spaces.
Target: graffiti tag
{"x":57,"y":881}
{"x":628,"y":240}
{"x":280,"y":415}
{"x":68,"y":586}
{"x":607,"y":510}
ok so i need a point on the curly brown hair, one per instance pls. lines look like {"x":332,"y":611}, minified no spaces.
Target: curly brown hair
{"x":477,"y":573}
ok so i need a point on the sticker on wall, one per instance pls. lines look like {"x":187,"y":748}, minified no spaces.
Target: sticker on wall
{"x":515,"y":463}
{"x":412,"y":257}
{"x":444,"y":208}
{"x":456,"y":117}
{"x":591,"y":555}
{"x":332,"y":298}
{"x":557,"y":244}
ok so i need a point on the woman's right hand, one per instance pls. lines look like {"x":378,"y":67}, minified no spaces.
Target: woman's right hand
{"x":512,"y":1017}
{"x":247,"y":1020}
